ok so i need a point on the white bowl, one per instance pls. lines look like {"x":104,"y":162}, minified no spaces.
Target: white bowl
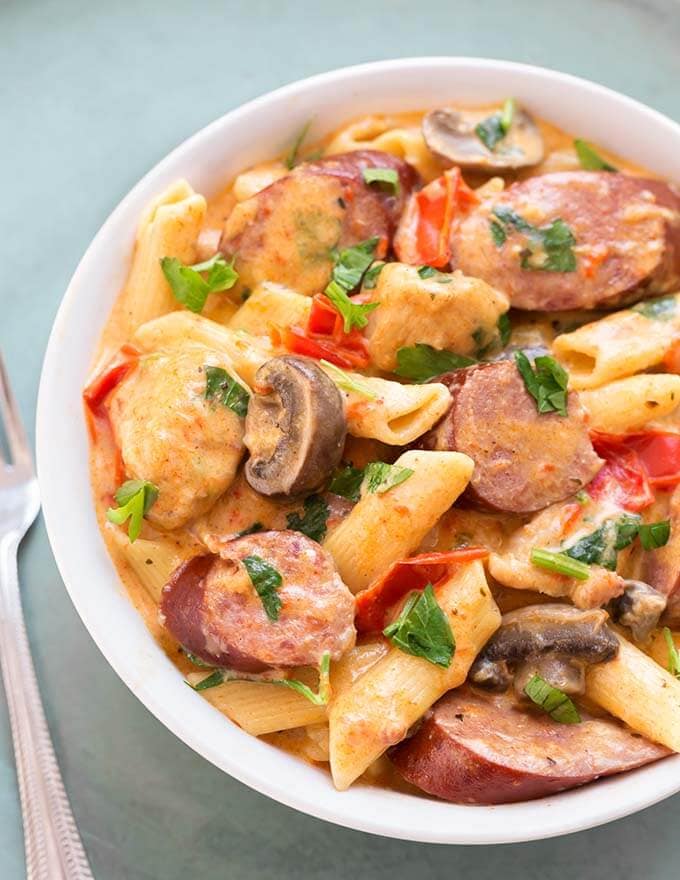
{"x":208,"y":160}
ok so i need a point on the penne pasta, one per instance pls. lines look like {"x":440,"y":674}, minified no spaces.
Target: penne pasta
{"x":261,"y":707}
{"x":152,"y":561}
{"x":250,"y":182}
{"x":626,"y":405}
{"x":619,"y":345}
{"x":639,"y":691}
{"x":383,"y":528}
{"x":271,"y":304}
{"x":379,"y":708}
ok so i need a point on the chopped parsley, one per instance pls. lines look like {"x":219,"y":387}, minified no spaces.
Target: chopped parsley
{"x":655,"y":535}
{"x":589,"y":158}
{"x":602,"y":546}
{"x":661,"y":308}
{"x":346,"y":482}
{"x":553,"y":701}
{"x":188,"y":285}
{"x":313,"y":521}
{"x":423,"y":630}
{"x":494,"y":128}
{"x":560,"y":563}
{"x":380,"y":476}
{"x":421,"y":362}
{"x":549,"y":248}
{"x":292,"y":158}
{"x":134,"y":499}
{"x":319,"y":698}
{"x":350,"y":265}
{"x":546,"y":382}
{"x":220,"y":386}
{"x":673,"y":653}
{"x":266,"y":580}
{"x":427,"y":272}
{"x":347,"y":382}
{"x":250,"y":530}
{"x":371,"y":276}
{"x":504,"y":329}
{"x":386,"y":176}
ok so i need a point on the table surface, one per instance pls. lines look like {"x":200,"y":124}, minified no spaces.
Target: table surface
{"x":91,"y":96}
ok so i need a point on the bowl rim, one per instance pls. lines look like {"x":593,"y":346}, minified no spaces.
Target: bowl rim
{"x":359,"y":809}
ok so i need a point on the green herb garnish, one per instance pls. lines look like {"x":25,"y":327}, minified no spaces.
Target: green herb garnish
{"x":553,"y":701}
{"x":266,"y":580}
{"x":380,"y":476}
{"x":220,"y":386}
{"x":318,"y":699}
{"x":549,"y":248}
{"x":494,"y":128}
{"x":546,"y":382}
{"x":387,"y":176}
{"x":601,"y":546}
{"x":292,"y":158}
{"x":589,"y":158}
{"x":190,"y":288}
{"x":560,"y":563}
{"x":661,"y":308}
{"x":349,"y":267}
{"x":655,"y":535}
{"x":427,"y":272}
{"x":213,"y":680}
{"x":504,"y":329}
{"x":423,"y":630}
{"x":313,"y":521}
{"x":371,"y":277}
{"x":421,"y":362}
{"x":673,"y":653}
{"x":347,"y":482}
{"x":134,"y":499}
{"x":347,"y":382}
{"x":250,"y":530}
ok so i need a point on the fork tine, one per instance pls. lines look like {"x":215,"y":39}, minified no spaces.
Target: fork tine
{"x":14,"y":429}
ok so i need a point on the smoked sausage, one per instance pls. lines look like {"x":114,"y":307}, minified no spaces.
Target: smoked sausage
{"x":524,"y":461}
{"x":211,"y":607}
{"x":626,"y":240}
{"x":476,"y":748}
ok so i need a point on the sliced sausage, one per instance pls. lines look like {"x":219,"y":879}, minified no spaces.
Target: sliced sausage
{"x":524,"y":461}
{"x":286,"y":233}
{"x":211,"y":607}
{"x":485,"y":749}
{"x":627,"y":240}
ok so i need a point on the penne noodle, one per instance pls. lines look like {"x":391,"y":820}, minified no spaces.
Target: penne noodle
{"x":385,"y":527}
{"x":261,"y":707}
{"x":619,"y":345}
{"x":271,"y":304}
{"x":151,"y":561}
{"x":379,"y":708}
{"x":249,"y":183}
{"x":626,"y":405}
{"x":639,"y":691}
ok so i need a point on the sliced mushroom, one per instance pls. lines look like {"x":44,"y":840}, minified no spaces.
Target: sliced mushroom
{"x":450,"y":134}
{"x":553,"y":641}
{"x":295,"y":427}
{"x":639,"y":607}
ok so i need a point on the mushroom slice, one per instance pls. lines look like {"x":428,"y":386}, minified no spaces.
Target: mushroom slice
{"x":295,"y":427}
{"x":639,"y":608}
{"x":553,"y":641}
{"x":451,"y":135}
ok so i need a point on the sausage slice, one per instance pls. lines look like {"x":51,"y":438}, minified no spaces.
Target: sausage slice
{"x":287,"y":232}
{"x":478,"y":749}
{"x":211,"y":607}
{"x":627,"y":240}
{"x":524,"y":461}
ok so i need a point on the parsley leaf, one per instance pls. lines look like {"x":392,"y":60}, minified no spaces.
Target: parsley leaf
{"x":250,"y":530}
{"x":323,"y":696}
{"x":190,"y":288}
{"x":313,"y":521}
{"x":347,"y":382}
{"x":219,"y":385}
{"x":421,"y":362}
{"x":560,"y":563}
{"x":549,"y":248}
{"x":371,"y":277}
{"x":292,"y":158}
{"x":553,"y":701}
{"x":661,"y":308}
{"x":423,"y":630}
{"x":494,"y":128}
{"x":602,"y":545}
{"x":673,"y":654}
{"x":134,"y":498}
{"x":655,"y":535}
{"x":387,"y":176}
{"x":380,"y":476}
{"x":266,"y":580}
{"x":589,"y":158}
{"x":347,"y":482}
{"x":504,"y":329}
{"x":427,"y":272}
{"x":350,"y":266}
{"x":213,"y":680}
{"x":546,"y":382}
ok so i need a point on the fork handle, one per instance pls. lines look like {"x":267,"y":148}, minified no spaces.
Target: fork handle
{"x":54,"y":850}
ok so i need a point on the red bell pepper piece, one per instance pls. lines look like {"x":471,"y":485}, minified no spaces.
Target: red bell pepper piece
{"x":401,"y":578}
{"x":623,"y":478}
{"x":423,"y":235}
{"x":103,"y":383}
{"x":297,"y":341}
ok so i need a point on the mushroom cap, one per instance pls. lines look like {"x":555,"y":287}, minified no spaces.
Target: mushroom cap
{"x":555,"y":629}
{"x":295,"y":427}
{"x":639,"y":607}
{"x":450,"y":135}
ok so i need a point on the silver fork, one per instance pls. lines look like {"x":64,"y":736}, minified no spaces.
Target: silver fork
{"x":53,"y":847}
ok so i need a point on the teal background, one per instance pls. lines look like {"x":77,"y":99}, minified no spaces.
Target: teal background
{"x":91,"y":96}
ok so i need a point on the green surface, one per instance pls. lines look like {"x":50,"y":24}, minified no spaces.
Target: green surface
{"x":91,"y":95}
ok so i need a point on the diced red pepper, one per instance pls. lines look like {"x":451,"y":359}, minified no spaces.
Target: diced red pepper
{"x":323,"y":316}
{"x":423,"y":235}
{"x":671,"y":360}
{"x":297,"y":341}
{"x":623,"y":478}
{"x":101,"y":386}
{"x":373,"y":604}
